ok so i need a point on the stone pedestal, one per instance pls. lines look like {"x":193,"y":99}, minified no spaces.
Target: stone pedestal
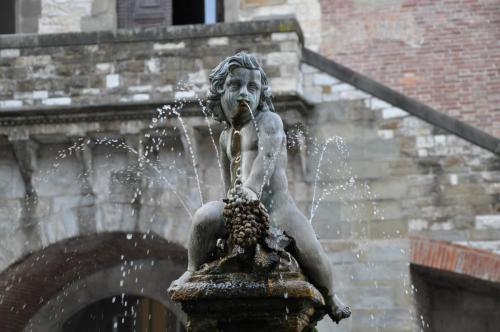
{"x":282,"y":301}
{"x":255,"y":284}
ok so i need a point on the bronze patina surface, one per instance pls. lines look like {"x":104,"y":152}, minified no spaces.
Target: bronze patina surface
{"x":254,"y":254}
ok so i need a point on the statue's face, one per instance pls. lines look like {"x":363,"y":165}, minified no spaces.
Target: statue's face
{"x":241,"y":85}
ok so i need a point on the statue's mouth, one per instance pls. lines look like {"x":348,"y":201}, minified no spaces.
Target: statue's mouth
{"x":243,"y":106}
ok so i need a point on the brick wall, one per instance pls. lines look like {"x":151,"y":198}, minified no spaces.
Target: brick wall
{"x":443,"y":53}
{"x":455,"y":258}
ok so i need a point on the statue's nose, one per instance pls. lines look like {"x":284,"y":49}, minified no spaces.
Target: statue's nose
{"x":243,"y":96}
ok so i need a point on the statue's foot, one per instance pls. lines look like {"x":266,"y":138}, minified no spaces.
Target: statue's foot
{"x":179,"y":282}
{"x":338,"y":310}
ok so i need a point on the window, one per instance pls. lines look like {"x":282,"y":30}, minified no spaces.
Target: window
{"x":7,"y":17}
{"x":189,"y":12}
{"x":144,"y":13}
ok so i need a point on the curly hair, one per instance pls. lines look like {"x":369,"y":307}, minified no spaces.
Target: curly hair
{"x":217,"y":79}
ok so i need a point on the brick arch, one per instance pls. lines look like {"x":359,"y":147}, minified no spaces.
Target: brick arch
{"x":29,"y":284}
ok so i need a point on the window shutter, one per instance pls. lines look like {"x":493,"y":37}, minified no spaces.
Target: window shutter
{"x":144,"y":13}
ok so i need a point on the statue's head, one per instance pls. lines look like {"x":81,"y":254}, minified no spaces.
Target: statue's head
{"x":238,"y":80}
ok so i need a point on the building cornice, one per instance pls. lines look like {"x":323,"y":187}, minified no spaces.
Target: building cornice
{"x":122,"y":111}
{"x":167,"y":33}
{"x":455,"y":258}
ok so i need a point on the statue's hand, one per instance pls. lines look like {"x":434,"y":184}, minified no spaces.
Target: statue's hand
{"x":249,"y":194}
{"x":243,"y":192}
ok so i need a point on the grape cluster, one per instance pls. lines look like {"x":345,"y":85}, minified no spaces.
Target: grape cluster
{"x":246,"y":220}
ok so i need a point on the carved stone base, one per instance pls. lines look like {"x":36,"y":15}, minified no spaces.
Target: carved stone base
{"x":282,"y":301}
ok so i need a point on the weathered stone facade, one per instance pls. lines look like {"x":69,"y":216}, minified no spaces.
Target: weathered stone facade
{"x":448,"y":184}
{"x":52,"y":16}
{"x":307,"y":12}
{"x":98,"y":68}
{"x":85,"y":154}
{"x":444,"y":54}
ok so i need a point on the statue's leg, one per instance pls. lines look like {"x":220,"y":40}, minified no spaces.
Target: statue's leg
{"x":311,"y":256}
{"x":207,"y":227}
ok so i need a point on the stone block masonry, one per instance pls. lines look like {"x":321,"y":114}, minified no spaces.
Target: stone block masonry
{"x":57,"y":16}
{"x":445,"y":181}
{"x":99,"y":68}
{"x":307,"y":12}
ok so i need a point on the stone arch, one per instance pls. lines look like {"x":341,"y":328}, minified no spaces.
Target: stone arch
{"x":43,"y":204}
{"x":86,"y":268}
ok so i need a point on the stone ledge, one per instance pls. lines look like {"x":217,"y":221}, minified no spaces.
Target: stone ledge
{"x":279,"y":301}
{"x":121,"y":111}
{"x":450,"y":257}
{"x":285,"y":24}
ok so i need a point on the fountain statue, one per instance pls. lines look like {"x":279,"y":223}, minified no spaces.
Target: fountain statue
{"x":254,"y":259}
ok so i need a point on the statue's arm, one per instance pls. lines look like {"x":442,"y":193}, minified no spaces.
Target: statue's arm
{"x":270,"y":142}
{"x":224,"y":160}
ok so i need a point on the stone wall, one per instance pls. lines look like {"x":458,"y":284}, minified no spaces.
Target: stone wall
{"x":307,"y":12}
{"x":58,"y":16}
{"x":27,"y":15}
{"x":143,"y":67}
{"x":434,"y":183}
{"x":386,"y":175}
{"x":138,"y":72}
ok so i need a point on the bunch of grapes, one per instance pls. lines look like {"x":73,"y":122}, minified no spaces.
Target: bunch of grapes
{"x":246,"y":220}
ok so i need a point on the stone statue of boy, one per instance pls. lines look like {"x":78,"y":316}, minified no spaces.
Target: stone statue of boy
{"x":254,"y":141}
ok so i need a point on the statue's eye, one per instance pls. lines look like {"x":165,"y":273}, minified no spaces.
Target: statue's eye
{"x":252,"y":87}
{"x":234,"y":86}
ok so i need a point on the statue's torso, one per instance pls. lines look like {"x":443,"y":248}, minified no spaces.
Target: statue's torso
{"x":242,"y":148}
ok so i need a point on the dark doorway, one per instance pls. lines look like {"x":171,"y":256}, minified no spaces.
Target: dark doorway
{"x":7,"y":17}
{"x":448,"y":301}
{"x":124,"y":314}
{"x":188,"y":12}
{"x":148,"y":13}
